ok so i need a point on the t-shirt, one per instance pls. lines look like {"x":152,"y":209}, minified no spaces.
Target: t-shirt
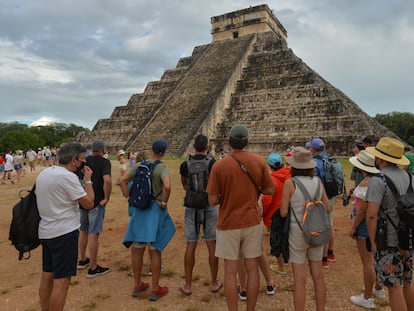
{"x":58,"y":191}
{"x":160,"y":171}
{"x":238,"y":196}
{"x":31,"y":155}
{"x":100,"y":167}
{"x":379,"y":194}
{"x":410,"y":157}
{"x":8,"y":166}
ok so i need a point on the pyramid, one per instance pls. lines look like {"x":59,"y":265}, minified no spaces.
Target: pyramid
{"x":248,"y":75}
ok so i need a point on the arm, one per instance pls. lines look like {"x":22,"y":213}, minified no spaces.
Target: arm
{"x":288,"y":190}
{"x":88,"y":201}
{"x":107,"y":187}
{"x":269,"y":190}
{"x":166,"y":190}
{"x":124,"y":186}
{"x":372,"y":218}
{"x":213,"y":199}
{"x":184,"y":182}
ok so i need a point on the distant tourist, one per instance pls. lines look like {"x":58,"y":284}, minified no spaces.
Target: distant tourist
{"x":31,"y":158}
{"x":8,"y":165}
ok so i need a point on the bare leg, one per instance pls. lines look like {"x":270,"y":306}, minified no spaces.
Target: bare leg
{"x":45,"y":289}
{"x":189,"y":260}
{"x":265,"y":268}
{"x":213,"y":262}
{"x":368,"y":270}
{"x":137,"y":255}
{"x":83,"y":244}
{"x":299,"y":283}
{"x":93,"y":249}
{"x":59,"y":293}
{"x":241,"y":271}
{"x":319,"y":284}
{"x":397,"y":299}
{"x":155,"y":268}
{"x":253,"y":282}
{"x":230,"y":291}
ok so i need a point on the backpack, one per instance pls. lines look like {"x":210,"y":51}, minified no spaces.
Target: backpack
{"x":140,"y":193}
{"x":405,"y":209}
{"x":334,"y":182}
{"x":315,"y":224}
{"x":24,"y":226}
{"x":198,"y":172}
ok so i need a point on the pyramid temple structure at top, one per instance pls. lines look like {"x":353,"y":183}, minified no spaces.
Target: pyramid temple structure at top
{"x":248,"y":75}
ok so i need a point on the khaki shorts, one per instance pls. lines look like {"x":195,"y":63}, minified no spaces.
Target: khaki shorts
{"x":235,"y":243}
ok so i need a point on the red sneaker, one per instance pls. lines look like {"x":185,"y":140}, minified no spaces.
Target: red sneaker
{"x":139,"y":289}
{"x":325,"y":264}
{"x":331,"y":257}
{"x":157,"y":294}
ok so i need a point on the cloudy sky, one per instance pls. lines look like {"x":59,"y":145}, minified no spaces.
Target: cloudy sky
{"x":73,"y":61}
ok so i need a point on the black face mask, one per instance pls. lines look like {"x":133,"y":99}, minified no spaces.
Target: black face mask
{"x":79,"y":169}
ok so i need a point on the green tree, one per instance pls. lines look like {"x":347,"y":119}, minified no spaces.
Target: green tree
{"x":14,"y":140}
{"x":401,"y":123}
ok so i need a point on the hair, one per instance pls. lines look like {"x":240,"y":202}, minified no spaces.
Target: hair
{"x":200,"y":143}
{"x":302,"y":172}
{"x":320,"y":149}
{"x":238,"y":143}
{"x":276,"y":167}
{"x":68,"y":151}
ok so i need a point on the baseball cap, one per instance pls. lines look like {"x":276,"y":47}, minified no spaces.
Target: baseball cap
{"x":239,"y":131}
{"x":159,"y":146}
{"x":316,"y":143}
{"x":274,"y":158}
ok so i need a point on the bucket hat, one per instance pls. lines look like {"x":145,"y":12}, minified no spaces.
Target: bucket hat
{"x":390,"y":150}
{"x":301,"y":159}
{"x":364,"y":161}
{"x":121,"y":152}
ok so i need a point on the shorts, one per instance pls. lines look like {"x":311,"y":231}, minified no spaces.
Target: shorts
{"x":18,"y":167}
{"x":60,"y":255}
{"x":362,"y":230}
{"x":235,"y":243}
{"x":1,"y":168}
{"x":195,"y":218}
{"x":394,"y":267}
{"x":92,"y":220}
{"x":299,"y":250}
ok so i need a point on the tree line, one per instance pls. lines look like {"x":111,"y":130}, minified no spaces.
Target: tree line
{"x":16,"y":135}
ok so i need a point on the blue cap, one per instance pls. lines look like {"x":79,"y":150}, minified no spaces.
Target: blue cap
{"x":274,"y":158}
{"x":159,"y":146}
{"x":316,"y":143}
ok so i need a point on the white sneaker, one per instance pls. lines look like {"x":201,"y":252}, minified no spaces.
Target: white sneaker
{"x":359,"y":300}
{"x":379,"y":293}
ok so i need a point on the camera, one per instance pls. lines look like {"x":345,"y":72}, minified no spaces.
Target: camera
{"x":345,"y":200}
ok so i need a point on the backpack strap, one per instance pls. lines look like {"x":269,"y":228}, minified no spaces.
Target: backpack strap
{"x":244,"y":169}
{"x":389,"y":184}
{"x":304,"y":191}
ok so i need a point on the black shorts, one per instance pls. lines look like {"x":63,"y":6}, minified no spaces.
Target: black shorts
{"x":60,"y":255}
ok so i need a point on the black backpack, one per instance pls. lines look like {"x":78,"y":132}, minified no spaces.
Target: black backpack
{"x":25,"y":224}
{"x":198,"y":172}
{"x":405,"y":208}
{"x":140,"y":193}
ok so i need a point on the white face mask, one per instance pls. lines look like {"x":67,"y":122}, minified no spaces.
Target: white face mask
{"x":105,"y":156}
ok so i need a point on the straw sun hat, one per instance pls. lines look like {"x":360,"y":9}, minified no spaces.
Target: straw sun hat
{"x":390,"y":150}
{"x":301,"y":159}
{"x":364,"y":161}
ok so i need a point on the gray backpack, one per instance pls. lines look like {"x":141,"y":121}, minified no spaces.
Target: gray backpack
{"x":315,"y":224}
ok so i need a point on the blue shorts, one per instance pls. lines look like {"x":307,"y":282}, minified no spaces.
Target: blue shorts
{"x":60,"y":255}
{"x":194,"y":218}
{"x":18,"y":167}
{"x":92,"y":220}
{"x":362,"y":230}
{"x":1,"y":168}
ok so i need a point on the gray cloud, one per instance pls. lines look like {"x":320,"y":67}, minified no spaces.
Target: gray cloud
{"x":76,"y":60}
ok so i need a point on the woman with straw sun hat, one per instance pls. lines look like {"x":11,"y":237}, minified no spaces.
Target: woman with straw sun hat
{"x":365,"y":164}
{"x":393,"y":261}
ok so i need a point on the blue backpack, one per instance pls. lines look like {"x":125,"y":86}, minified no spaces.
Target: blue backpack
{"x":140,"y":194}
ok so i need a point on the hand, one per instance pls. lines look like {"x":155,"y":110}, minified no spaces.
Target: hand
{"x":87,"y":173}
{"x":351,"y":233}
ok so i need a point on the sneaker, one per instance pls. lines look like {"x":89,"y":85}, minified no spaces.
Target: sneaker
{"x":82,"y":264}
{"x":379,"y":293}
{"x":97,"y":271}
{"x":325,"y":264}
{"x":270,"y":289}
{"x":139,"y":289}
{"x":277,"y":269}
{"x":359,"y":300}
{"x":242,"y":294}
{"x":157,"y":294}
{"x":331,"y":257}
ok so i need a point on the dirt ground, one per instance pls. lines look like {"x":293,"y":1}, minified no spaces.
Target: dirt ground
{"x":19,"y":280}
